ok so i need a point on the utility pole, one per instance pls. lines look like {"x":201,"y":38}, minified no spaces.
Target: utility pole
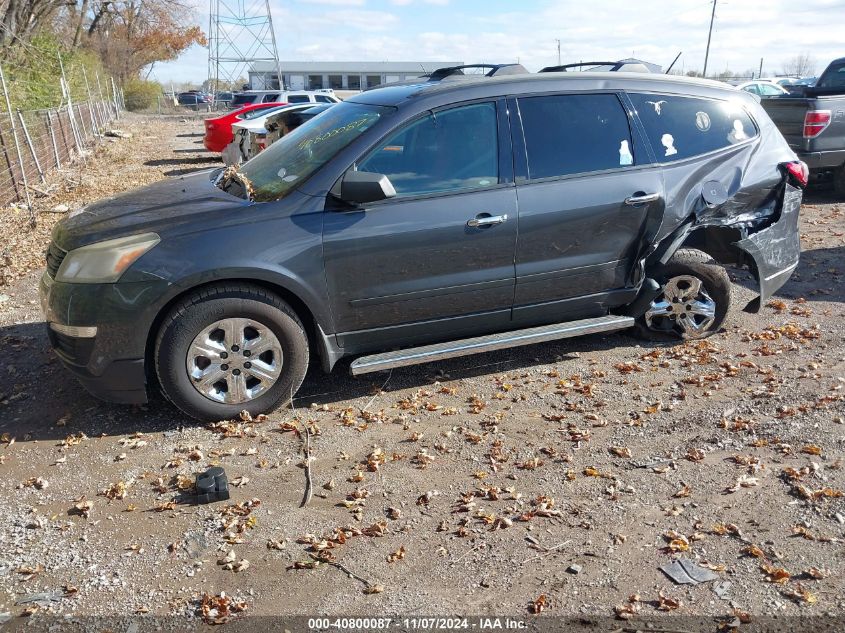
{"x":558,"y":52}
{"x":761,"y":68}
{"x":709,"y":35}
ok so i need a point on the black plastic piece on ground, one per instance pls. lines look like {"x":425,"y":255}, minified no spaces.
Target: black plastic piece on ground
{"x":212,"y":485}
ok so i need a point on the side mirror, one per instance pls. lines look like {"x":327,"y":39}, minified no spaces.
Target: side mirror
{"x":361,"y":187}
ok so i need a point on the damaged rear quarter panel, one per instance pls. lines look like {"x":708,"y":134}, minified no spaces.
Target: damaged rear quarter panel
{"x":752,"y":187}
{"x":775,"y":249}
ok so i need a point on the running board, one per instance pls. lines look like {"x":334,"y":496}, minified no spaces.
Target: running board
{"x":502,"y":340}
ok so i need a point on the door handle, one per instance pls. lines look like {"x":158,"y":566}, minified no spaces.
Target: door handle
{"x":642,"y":198}
{"x":487,"y":220}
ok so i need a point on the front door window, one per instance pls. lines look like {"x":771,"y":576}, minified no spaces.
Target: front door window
{"x":444,"y":151}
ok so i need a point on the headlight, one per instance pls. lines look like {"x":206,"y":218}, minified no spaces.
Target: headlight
{"x":104,"y":262}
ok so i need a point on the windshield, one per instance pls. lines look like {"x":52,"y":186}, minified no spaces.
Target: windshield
{"x":293,"y":158}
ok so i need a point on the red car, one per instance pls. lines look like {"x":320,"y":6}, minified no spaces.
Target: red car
{"x":218,"y":131}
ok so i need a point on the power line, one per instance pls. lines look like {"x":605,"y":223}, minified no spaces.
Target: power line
{"x":709,"y":35}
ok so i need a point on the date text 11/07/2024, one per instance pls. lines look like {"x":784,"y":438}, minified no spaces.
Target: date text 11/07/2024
{"x":416,"y":624}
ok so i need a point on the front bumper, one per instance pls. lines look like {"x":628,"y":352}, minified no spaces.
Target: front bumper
{"x":776,"y":249}
{"x":110,"y":365}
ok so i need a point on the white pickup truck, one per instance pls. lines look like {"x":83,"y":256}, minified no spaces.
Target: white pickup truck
{"x":240,"y":99}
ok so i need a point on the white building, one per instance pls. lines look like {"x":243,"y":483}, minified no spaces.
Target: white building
{"x":337,"y":75}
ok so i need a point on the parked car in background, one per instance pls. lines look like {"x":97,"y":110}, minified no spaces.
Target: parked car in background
{"x":798,"y":86}
{"x":224,"y":97}
{"x":814,"y":124}
{"x":763,"y":88}
{"x":286,"y":96}
{"x":218,"y":130}
{"x":193,"y":99}
{"x":389,"y":222}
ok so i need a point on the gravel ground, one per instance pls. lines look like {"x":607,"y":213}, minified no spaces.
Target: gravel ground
{"x":554,"y":478}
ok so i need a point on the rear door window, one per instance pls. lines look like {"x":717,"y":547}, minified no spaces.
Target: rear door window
{"x":681,"y":127}
{"x":298,"y":99}
{"x":271,"y":98}
{"x":572,"y":134}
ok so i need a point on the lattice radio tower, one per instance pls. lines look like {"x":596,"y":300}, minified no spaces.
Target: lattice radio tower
{"x":240,"y":33}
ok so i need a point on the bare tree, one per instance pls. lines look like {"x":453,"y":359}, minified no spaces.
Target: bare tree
{"x":21,"y":19}
{"x":801,"y":65}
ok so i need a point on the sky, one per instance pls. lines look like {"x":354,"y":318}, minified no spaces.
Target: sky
{"x":525,"y":31}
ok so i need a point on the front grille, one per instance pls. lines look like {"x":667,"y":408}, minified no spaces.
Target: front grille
{"x":55,"y":256}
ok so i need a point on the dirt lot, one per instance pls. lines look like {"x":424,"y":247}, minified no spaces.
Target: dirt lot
{"x":473,"y":486}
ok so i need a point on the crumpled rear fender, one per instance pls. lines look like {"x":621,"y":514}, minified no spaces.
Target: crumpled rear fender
{"x":776,"y":249}
{"x":771,"y":252}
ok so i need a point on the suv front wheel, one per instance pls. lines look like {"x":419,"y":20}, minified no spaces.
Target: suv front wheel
{"x":226,"y":349}
{"x":693,"y":301}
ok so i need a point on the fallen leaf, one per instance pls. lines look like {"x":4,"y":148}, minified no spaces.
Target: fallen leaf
{"x":540,"y":604}
{"x":397,"y":555}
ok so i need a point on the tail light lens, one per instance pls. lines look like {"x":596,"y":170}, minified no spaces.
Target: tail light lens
{"x":815,"y":122}
{"x":799,"y":171}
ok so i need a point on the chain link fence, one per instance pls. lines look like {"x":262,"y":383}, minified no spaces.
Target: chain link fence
{"x":36,"y":143}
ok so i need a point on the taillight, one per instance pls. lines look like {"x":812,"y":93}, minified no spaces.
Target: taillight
{"x":799,"y":172}
{"x":815,"y":122}
{"x":261,"y":141}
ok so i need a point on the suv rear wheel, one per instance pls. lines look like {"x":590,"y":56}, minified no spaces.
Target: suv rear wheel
{"x":231,"y":348}
{"x":693,"y":301}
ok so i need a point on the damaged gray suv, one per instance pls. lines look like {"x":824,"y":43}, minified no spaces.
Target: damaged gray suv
{"x":426,"y":220}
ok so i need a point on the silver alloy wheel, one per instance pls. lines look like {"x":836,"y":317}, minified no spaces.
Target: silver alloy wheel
{"x":234,"y":360}
{"x":684,"y":307}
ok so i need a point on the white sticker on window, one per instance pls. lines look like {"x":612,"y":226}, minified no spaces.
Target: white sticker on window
{"x":657,"y":105}
{"x":702,"y":121}
{"x":625,"y":156}
{"x":737,"y":133}
{"x":669,"y":143}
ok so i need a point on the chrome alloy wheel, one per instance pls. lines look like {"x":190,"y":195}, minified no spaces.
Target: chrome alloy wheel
{"x":684,"y":306}
{"x":234,"y":360}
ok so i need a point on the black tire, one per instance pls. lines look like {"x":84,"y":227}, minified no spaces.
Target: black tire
{"x":839,"y":182}
{"x":715,"y":282}
{"x":201,"y":310}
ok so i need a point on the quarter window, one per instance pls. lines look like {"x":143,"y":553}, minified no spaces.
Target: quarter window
{"x":445,"y":151}
{"x":680,"y":127}
{"x":571,"y":134}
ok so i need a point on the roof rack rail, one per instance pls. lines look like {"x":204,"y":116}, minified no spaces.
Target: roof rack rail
{"x":566,"y":67}
{"x":495,"y":70}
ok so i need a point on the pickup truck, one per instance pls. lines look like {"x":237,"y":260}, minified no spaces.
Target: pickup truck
{"x":814,"y":124}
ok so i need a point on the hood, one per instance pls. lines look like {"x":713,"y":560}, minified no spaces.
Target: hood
{"x":165,"y":205}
